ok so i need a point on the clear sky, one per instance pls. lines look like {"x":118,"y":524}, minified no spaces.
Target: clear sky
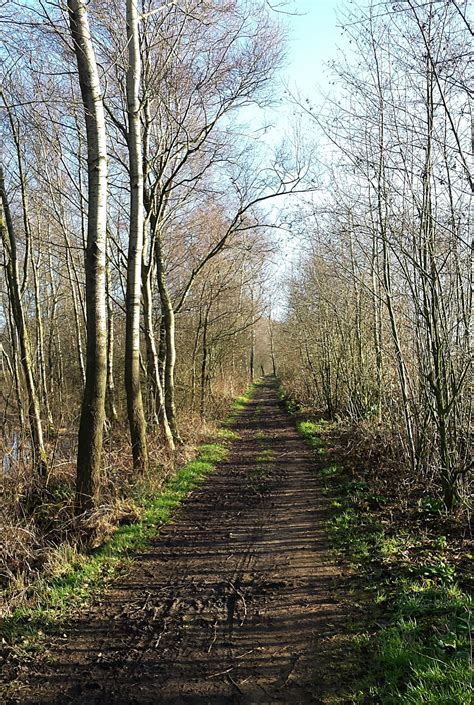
{"x":313,"y":41}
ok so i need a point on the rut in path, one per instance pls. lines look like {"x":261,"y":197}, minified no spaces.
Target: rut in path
{"x":230,"y":604}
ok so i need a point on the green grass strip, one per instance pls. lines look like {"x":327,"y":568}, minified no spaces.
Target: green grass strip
{"x":422,"y":654}
{"x":87,"y":574}
{"x":240,"y":403}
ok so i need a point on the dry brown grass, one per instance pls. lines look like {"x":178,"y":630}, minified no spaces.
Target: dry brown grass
{"x":39,"y":534}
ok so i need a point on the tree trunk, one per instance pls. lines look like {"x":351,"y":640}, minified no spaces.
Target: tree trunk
{"x":158,"y":401}
{"x":34,"y":415}
{"x":167,"y":313}
{"x":193,"y":359}
{"x":110,"y":391}
{"x":272,"y":348}
{"x":77,"y":325}
{"x":35,"y":266}
{"x":136,"y":415}
{"x":252,"y":355}
{"x":16,"y":368}
{"x":93,"y":402}
{"x":202,"y":396}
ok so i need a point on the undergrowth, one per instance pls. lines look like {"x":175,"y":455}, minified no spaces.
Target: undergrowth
{"x":53,"y":600}
{"x":415,"y":639}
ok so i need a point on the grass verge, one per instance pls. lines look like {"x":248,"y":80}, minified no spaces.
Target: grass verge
{"x":415,"y":639}
{"x":23,"y":631}
{"x":239,"y":404}
{"x":88,"y":573}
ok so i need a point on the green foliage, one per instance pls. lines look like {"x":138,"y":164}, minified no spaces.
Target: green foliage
{"x":212,"y":453}
{"x":227,"y":434}
{"x":423,"y":655}
{"x":430,"y":505}
{"x":291,"y":405}
{"x":441,"y":572}
{"x":239,"y":404}
{"x":311,"y":433}
{"x":330,"y":471}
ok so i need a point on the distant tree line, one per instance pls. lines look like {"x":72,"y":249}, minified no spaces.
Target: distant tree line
{"x":134,"y":237}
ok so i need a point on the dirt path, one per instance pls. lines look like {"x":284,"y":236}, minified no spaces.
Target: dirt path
{"x":230,"y":604}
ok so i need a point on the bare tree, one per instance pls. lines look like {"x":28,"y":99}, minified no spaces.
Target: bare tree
{"x":136,"y":414}
{"x":9,"y":242}
{"x":93,"y":403}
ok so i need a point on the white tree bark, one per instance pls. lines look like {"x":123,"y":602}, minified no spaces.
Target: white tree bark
{"x":136,"y":414}
{"x":93,"y":403}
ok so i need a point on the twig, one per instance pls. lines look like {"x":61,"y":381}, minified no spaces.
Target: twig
{"x":214,"y":639}
{"x":231,"y":668}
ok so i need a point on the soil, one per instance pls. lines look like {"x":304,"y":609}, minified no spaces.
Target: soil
{"x":234,"y":602}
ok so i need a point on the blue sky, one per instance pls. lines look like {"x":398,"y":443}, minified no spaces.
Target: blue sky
{"x":313,"y":41}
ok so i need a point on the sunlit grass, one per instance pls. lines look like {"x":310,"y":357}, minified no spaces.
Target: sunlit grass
{"x":265,"y":456}
{"x":239,"y":404}
{"x":83,"y":574}
{"x":311,"y":432}
{"x":227,"y":434}
{"x":261,"y":436}
{"x":421,"y":655}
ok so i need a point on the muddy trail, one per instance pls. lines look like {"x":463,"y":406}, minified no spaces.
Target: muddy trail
{"x":232,"y":602}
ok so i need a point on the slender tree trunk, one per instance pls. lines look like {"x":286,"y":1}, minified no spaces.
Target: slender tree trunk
{"x":197,"y":335}
{"x":34,"y":413}
{"x":136,"y":414}
{"x":6,"y":370}
{"x":252,"y":354}
{"x":377,"y":323}
{"x":55,"y":364}
{"x":16,"y":368}
{"x":272,"y":348}
{"x":162,"y":351}
{"x":35,"y":266}
{"x":438,"y":377}
{"x":110,"y":391}
{"x":202,"y":396}
{"x":387,"y":277}
{"x":158,"y":401}
{"x":93,"y":402}
{"x":167,"y":313}
{"x":77,"y":325}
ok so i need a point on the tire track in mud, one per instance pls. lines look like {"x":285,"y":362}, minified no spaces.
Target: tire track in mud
{"x":230,"y":604}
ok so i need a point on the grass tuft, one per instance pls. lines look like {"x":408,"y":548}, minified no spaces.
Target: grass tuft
{"x":266,"y":456}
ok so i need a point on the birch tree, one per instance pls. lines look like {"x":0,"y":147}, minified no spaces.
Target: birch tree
{"x":93,"y":402}
{"x":9,"y":242}
{"x":136,"y":416}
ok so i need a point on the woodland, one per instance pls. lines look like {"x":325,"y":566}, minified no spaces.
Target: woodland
{"x":167,"y":257}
